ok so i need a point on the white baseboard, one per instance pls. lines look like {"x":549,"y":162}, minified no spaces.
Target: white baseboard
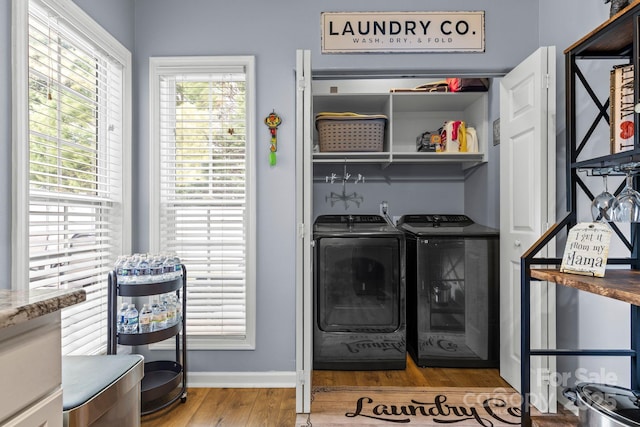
{"x":274,"y":379}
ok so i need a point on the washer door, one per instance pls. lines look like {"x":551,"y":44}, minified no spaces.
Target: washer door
{"x":358,"y":284}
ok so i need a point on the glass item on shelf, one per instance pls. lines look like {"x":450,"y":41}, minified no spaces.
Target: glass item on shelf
{"x":628,"y":208}
{"x":603,"y":204}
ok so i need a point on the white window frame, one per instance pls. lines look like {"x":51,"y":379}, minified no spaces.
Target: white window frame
{"x":191,"y":64}
{"x":85,"y":25}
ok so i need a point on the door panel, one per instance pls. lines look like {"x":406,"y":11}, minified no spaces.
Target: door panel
{"x":527,"y":207}
{"x":524,"y":217}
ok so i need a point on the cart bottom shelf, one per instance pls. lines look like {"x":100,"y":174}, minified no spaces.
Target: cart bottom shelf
{"x":162,"y":385}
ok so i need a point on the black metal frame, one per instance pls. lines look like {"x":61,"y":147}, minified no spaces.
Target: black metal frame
{"x":612,"y":41}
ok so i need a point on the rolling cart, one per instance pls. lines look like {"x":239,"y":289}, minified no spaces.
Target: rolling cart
{"x":164,"y":381}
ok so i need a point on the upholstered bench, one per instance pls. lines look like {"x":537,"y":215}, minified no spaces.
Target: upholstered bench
{"x":101,"y":391}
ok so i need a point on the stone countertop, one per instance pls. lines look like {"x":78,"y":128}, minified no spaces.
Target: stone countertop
{"x":20,"y":306}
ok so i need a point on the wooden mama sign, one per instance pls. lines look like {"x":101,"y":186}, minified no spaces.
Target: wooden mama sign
{"x":587,"y":249}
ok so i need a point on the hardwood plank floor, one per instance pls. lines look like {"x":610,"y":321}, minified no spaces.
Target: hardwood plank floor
{"x":251,"y":407}
{"x":230,"y":407}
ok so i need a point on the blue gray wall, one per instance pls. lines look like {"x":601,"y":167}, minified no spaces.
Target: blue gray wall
{"x":272,"y":32}
{"x":115,"y":16}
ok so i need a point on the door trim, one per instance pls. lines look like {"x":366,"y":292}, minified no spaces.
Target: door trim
{"x":304,"y":285}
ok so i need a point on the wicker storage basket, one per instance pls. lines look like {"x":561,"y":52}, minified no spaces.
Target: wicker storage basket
{"x":350,"y":133}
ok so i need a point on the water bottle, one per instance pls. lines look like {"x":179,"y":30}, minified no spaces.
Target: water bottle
{"x":171,"y":310}
{"x":141,"y":272}
{"x":120,"y":317}
{"x":118,"y":268}
{"x":162,"y":324}
{"x":133,"y":261}
{"x":131,"y":319}
{"x":145,"y":319}
{"x":127,"y":270}
{"x":177,"y":267}
{"x":169,"y":268}
{"x":156,"y":269}
{"x":178,"y":303}
{"x":158,"y":317}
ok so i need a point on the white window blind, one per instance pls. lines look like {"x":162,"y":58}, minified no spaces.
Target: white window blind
{"x":76,"y":133}
{"x":205,"y":200}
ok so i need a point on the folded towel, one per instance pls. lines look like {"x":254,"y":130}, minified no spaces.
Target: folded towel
{"x":347,"y":116}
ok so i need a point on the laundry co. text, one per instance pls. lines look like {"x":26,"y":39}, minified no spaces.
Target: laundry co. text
{"x":356,"y":32}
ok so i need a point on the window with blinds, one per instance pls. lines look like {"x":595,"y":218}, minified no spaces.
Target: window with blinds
{"x":203,"y":193}
{"x":75,"y":176}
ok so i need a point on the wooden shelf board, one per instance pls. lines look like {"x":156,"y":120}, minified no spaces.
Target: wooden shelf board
{"x":603,"y":41}
{"x":620,"y":284}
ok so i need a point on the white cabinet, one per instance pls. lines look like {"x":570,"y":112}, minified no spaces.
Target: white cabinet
{"x":32,"y":373}
{"x":409,"y":115}
{"x":45,"y":412}
{"x":31,"y":355}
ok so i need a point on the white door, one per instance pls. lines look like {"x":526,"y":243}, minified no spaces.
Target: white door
{"x":304,"y":209}
{"x":527,"y":209}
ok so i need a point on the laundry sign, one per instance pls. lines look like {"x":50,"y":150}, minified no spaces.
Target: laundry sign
{"x":358,"y":32}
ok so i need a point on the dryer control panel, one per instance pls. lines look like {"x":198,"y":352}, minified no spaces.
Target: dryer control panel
{"x":436,"y":220}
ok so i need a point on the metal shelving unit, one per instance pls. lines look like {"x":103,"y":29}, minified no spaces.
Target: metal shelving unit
{"x":164,"y":381}
{"x":619,"y":39}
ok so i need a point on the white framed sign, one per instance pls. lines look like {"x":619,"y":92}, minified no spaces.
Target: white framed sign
{"x":358,"y":32}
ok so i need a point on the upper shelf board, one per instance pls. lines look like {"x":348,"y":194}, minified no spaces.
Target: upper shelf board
{"x":613,"y":37}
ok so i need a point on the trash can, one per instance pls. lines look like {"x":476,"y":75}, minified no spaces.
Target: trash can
{"x":102,"y":391}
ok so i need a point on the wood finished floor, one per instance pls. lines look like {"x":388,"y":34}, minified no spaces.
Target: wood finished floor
{"x":249,"y":407}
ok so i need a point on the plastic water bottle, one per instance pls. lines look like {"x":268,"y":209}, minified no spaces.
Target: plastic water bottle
{"x":156,"y":269}
{"x":134,"y":260}
{"x":141,"y":272}
{"x":158,"y":317}
{"x":145,"y":319}
{"x":127,"y":270}
{"x":118,"y":268}
{"x":131,"y":320}
{"x":169,"y":268}
{"x":162,"y":324}
{"x":120,"y":317}
{"x":177,"y":267}
{"x":178,"y":303}
{"x":154,"y":316}
{"x":171,"y":310}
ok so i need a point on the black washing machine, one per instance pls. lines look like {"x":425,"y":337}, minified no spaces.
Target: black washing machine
{"x":452,"y":291}
{"x":359,"y":294}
